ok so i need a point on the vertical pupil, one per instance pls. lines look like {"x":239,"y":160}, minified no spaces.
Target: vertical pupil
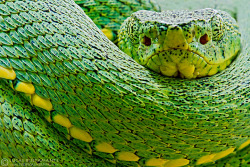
{"x":146,"y":41}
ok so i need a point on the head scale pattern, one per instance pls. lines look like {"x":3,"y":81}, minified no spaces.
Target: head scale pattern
{"x":181,"y":43}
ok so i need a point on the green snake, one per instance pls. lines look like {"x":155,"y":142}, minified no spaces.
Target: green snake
{"x":70,"y":97}
{"x":188,"y":44}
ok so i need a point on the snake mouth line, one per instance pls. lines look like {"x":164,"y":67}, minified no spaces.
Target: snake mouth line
{"x":183,"y":50}
{"x":184,"y":63}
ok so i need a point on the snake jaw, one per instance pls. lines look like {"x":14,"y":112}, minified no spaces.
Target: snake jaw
{"x":188,"y":63}
{"x":177,"y":62}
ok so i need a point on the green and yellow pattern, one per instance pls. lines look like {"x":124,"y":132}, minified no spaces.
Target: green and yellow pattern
{"x":69,"y":95}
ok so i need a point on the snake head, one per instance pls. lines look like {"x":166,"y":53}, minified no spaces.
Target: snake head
{"x":181,"y":43}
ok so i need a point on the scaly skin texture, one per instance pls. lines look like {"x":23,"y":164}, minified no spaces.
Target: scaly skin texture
{"x":181,"y":43}
{"x":29,"y":140}
{"x":108,"y":15}
{"x":101,"y":106}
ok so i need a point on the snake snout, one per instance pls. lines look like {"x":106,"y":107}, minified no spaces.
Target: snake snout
{"x":175,"y":39}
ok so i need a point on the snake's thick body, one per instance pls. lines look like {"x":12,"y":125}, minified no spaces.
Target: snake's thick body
{"x":93,"y":105}
{"x":108,"y":15}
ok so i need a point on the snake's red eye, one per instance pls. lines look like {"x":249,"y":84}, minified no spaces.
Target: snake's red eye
{"x":204,"y":39}
{"x":146,"y":41}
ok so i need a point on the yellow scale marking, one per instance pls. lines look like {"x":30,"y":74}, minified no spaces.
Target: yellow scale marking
{"x":7,"y":73}
{"x":155,"y":162}
{"x":62,"y":120}
{"x":108,"y":33}
{"x":127,"y":156}
{"x":25,"y":87}
{"x":214,"y":157}
{"x":167,"y":163}
{"x":41,"y":102}
{"x":105,"y":147}
{"x":176,"y":163}
{"x":244,"y":145}
{"x":80,"y":134}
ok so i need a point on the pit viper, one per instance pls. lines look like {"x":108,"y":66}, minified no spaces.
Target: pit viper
{"x":70,"y":97}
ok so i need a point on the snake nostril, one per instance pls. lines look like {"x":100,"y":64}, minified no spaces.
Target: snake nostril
{"x":204,"y":39}
{"x":146,"y":41}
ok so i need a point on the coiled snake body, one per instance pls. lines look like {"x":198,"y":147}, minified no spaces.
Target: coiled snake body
{"x":92,"y":105}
